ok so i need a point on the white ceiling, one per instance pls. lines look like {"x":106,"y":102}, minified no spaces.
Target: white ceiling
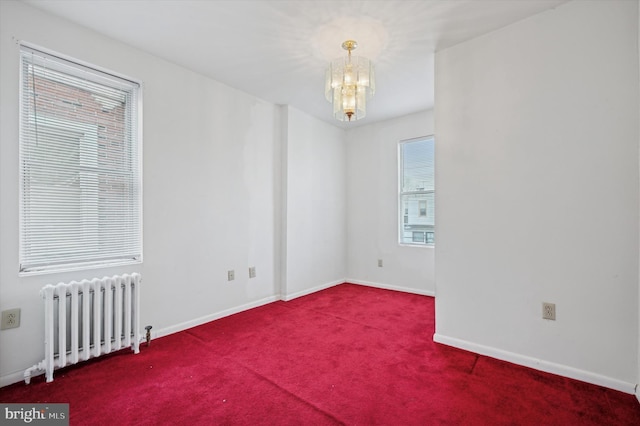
{"x":278,"y":50}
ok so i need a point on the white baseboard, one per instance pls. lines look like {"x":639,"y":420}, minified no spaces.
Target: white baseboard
{"x":15,"y":377}
{"x":211,"y":317}
{"x":538,"y":364}
{"x":392,"y":287}
{"x":287,"y":297}
{"x":638,"y":392}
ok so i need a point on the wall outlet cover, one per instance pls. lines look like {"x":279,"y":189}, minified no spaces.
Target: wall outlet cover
{"x":549,"y":311}
{"x":10,"y":319}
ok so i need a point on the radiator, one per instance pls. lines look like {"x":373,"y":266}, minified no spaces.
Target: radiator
{"x":88,"y":319}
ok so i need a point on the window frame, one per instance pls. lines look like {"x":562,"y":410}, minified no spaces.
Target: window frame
{"x":133,"y":120}
{"x":402,"y":212}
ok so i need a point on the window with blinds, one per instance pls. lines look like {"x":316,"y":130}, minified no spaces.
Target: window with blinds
{"x":417,"y":192}
{"x":80,"y":161}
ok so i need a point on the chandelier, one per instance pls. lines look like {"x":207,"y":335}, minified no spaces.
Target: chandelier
{"x":349,"y":83}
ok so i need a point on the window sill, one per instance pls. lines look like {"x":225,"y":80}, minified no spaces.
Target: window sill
{"x":417,"y":245}
{"x":71,"y":268}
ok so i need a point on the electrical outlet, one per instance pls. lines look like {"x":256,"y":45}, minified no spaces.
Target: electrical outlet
{"x":379,"y":263}
{"x":549,"y":311}
{"x":252,"y":272}
{"x":10,"y":319}
{"x":231,"y":275}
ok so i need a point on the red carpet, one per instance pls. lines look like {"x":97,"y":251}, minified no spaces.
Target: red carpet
{"x":347,"y":355}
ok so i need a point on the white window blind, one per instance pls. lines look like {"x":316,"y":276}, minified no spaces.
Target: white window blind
{"x":417,"y":192}
{"x":80,"y":159}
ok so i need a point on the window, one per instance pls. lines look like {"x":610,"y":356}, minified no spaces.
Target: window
{"x":429,"y":237}
{"x":417,"y":192}
{"x":422,"y":207}
{"x":80,"y":198}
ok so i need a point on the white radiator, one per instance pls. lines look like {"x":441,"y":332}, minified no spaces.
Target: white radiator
{"x":87,"y":319}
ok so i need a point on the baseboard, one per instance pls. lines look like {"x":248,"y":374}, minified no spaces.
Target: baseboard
{"x":211,"y":317}
{"x":538,"y":364}
{"x":16,"y":377}
{"x":287,"y":297}
{"x":392,"y":287}
{"x":638,"y":392}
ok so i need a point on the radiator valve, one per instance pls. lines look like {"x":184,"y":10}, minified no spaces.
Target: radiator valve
{"x":148,"y":328}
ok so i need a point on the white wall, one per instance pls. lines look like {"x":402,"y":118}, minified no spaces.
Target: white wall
{"x":537,"y":192}
{"x":209,"y":181}
{"x":316,"y":205}
{"x":638,"y":377}
{"x":372,"y":193}
{"x":230,"y":181}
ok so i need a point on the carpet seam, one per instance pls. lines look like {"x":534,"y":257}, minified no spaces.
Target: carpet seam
{"x":288,"y":392}
{"x":473,"y":367}
{"x":195,"y":336}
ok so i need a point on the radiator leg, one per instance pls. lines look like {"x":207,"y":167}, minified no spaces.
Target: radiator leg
{"x":27,"y":374}
{"x":48,"y":364}
{"x":28,"y":371}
